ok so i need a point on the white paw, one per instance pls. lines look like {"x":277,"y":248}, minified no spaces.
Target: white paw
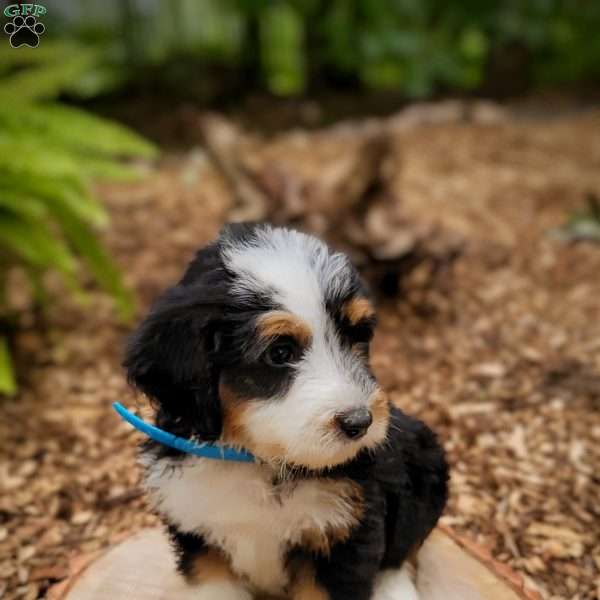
{"x":395,"y":584}
{"x":215,"y":590}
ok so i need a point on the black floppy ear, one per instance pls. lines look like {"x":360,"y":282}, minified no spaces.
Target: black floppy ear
{"x":169,"y":359}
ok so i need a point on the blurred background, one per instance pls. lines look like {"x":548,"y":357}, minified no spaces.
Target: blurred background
{"x":452,"y":148}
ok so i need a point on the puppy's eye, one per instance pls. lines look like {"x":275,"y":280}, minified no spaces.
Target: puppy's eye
{"x":281,"y":354}
{"x":360,"y":333}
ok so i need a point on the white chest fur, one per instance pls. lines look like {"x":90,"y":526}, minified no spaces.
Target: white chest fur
{"x":235,"y":507}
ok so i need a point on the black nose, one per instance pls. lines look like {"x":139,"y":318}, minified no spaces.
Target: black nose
{"x":354,"y":423}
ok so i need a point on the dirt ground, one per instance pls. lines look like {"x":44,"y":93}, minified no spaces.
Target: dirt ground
{"x":500,"y":354}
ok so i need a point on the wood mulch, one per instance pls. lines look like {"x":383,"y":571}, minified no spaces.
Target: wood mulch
{"x":499,"y":350}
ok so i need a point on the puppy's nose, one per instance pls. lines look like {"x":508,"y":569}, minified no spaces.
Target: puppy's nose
{"x":354,"y":423}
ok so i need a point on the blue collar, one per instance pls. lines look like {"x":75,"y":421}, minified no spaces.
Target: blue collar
{"x":183,"y":445}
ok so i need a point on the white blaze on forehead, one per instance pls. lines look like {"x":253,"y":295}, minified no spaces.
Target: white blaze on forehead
{"x":299,"y":272}
{"x":297,"y":269}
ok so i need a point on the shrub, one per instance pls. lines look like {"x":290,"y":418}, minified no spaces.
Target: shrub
{"x":417,"y":47}
{"x":49,"y":153}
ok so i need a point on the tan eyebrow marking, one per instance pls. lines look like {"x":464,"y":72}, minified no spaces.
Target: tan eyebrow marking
{"x":358,"y":309}
{"x":279,"y":322}
{"x":380,"y":407}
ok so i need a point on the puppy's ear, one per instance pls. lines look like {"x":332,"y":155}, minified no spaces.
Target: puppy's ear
{"x":169,"y":357}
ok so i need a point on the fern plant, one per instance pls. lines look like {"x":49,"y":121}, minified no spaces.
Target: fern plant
{"x":49,"y":153}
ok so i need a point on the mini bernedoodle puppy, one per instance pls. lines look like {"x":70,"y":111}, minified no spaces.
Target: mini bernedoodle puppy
{"x":264,"y":345}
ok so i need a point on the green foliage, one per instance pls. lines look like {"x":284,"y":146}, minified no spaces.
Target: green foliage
{"x":49,"y":152}
{"x":282,"y":48}
{"x":415,"y":46}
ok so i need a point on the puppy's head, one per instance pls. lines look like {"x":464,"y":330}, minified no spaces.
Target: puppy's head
{"x":264,"y":345}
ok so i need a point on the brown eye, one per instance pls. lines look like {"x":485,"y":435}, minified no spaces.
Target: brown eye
{"x":281,"y":354}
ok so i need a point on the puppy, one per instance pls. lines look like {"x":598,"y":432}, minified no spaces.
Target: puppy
{"x":264,"y":345}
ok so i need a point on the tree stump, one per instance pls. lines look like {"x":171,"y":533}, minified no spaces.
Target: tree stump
{"x":142,"y":568}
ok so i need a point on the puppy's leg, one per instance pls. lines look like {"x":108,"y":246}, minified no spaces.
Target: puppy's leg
{"x":210,"y":578}
{"x":206,"y":571}
{"x":347,"y":573}
{"x":396,"y":584}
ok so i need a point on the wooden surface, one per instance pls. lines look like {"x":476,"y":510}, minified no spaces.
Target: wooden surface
{"x":142,"y":568}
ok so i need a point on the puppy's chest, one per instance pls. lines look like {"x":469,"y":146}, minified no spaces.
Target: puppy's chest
{"x":236,"y":508}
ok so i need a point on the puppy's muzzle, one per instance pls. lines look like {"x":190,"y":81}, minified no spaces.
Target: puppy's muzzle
{"x":354,"y":423}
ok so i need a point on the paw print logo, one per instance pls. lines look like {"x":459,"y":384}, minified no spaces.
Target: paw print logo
{"x":24,"y":31}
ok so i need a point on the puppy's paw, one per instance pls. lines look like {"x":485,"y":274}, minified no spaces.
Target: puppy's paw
{"x":395,"y":584}
{"x":216,"y":590}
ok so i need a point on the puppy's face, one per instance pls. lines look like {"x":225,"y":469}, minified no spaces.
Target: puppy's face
{"x":286,"y":349}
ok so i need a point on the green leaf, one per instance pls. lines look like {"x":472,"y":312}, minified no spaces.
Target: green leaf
{"x":99,"y":263}
{"x":21,"y":156}
{"x":70,"y":191}
{"x":27,"y":241}
{"x":43,"y":81}
{"x":75,"y":128}
{"x":35,"y":243}
{"x":8,"y":384}
{"x":63,"y":136}
{"x":27,"y":206}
